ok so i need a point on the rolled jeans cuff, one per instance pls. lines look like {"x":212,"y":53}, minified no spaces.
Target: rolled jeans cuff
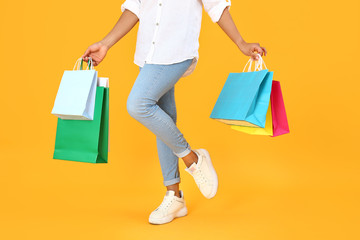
{"x":184,"y":153}
{"x":172,"y":181}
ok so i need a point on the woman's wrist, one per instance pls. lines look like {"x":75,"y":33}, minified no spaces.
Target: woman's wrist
{"x":105,"y":42}
{"x":241,"y":44}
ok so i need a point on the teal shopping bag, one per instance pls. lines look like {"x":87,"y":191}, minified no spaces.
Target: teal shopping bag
{"x":244,"y":98}
{"x":85,"y":140}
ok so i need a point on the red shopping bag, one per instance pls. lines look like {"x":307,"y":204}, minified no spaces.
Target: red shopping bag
{"x":280,"y":122}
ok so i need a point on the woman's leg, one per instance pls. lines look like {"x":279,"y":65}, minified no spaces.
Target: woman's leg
{"x":153,"y":82}
{"x":169,"y":162}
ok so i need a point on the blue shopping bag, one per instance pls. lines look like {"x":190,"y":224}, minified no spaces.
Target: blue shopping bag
{"x":245,"y":97}
{"x":75,"y":99}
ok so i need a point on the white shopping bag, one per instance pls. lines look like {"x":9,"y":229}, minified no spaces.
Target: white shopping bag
{"x":104,"y":82}
{"x":75,"y":98}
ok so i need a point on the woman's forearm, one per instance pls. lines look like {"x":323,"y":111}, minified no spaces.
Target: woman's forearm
{"x":125,"y":23}
{"x":228,"y":26}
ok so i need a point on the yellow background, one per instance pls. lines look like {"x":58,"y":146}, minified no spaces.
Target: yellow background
{"x":303,"y":185}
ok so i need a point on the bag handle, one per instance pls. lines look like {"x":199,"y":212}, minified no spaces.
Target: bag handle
{"x":258,"y":64}
{"x":89,"y":63}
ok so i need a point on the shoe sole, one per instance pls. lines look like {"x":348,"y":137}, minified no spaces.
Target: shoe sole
{"x":181,"y":213}
{"x":212,"y":170}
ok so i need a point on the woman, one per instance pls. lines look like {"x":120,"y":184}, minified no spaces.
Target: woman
{"x":166,"y":50}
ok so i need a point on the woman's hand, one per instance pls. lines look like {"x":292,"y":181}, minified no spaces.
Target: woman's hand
{"x":252,"y":49}
{"x":96,"y":51}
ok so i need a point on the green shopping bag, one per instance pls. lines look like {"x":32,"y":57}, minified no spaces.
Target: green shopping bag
{"x":85,"y":140}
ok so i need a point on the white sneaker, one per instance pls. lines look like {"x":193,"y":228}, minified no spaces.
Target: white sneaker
{"x":204,"y":173}
{"x":170,"y":208}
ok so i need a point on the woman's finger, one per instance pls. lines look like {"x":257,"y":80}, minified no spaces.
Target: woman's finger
{"x":87,"y":52}
{"x":259,"y":50}
{"x":264,"y":49}
{"x":95,"y":63}
{"x":254,"y":56}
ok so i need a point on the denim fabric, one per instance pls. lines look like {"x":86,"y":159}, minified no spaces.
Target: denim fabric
{"x":152,"y":102}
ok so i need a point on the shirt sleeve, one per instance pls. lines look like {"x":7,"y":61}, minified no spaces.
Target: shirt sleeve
{"x":132,"y":5}
{"x":215,"y":8}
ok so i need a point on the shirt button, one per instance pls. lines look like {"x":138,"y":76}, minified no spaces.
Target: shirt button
{"x":153,"y":42}
{"x":160,"y":4}
{"x":157,"y":24}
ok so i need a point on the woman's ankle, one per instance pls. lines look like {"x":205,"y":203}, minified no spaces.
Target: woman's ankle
{"x":190,"y":158}
{"x":175,"y":188}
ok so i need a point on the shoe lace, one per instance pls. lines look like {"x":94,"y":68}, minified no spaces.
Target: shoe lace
{"x":165,"y":203}
{"x":199,"y":176}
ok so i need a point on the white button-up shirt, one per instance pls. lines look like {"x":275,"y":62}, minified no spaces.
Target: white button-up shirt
{"x":169,"y":29}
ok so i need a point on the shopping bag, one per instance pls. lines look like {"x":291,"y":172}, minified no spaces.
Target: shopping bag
{"x":280,"y":122}
{"x":104,"y":82}
{"x":75,"y":98}
{"x":83,"y":140}
{"x":268,"y":130}
{"x":244,"y":98}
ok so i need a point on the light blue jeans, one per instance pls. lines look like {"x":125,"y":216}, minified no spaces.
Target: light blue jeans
{"x":152,"y":102}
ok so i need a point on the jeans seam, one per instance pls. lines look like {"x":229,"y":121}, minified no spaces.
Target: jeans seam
{"x":162,"y":120}
{"x":175,"y":115}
